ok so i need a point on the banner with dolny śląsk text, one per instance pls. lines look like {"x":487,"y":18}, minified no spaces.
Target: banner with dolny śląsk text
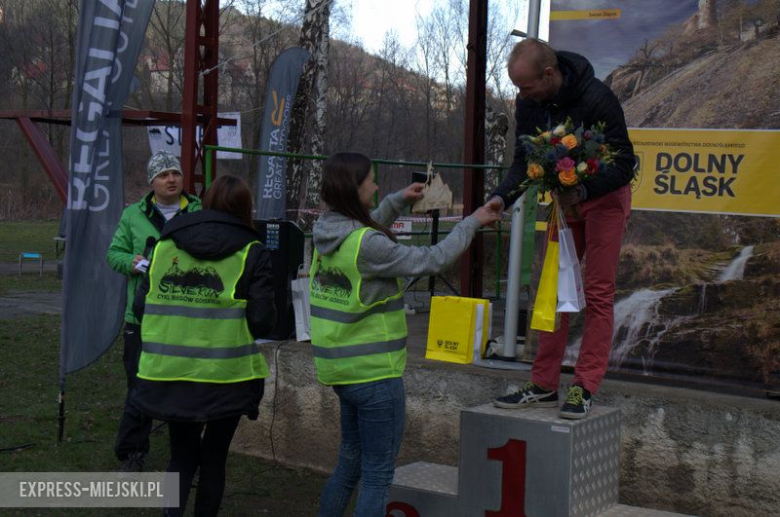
{"x":711,"y":171}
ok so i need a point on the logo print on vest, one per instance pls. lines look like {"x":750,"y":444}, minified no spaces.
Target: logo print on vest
{"x":202,"y":282}
{"x":332,"y":281}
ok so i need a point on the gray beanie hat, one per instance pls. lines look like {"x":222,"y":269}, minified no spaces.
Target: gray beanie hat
{"x":161,"y":161}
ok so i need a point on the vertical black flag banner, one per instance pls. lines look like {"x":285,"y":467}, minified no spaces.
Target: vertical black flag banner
{"x":110,"y":35}
{"x":271,"y":174}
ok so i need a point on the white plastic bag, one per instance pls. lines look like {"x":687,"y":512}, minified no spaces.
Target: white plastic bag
{"x":302,"y":309}
{"x":571,"y":294}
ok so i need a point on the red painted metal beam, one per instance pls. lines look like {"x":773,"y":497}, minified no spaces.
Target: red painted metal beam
{"x":133,"y":117}
{"x":471,"y":263}
{"x":201,"y":57}
{"x":45,"y":153}
{"x":27,"y":121}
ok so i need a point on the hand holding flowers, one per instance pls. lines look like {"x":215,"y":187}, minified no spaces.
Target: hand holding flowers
{"x":561,"y":159}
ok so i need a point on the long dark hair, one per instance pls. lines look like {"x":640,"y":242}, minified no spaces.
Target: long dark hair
{"x":342,"y":175}
{"x":231,"y":195}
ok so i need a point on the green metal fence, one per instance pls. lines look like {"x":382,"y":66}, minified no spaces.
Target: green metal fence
{"x":210,"y":151}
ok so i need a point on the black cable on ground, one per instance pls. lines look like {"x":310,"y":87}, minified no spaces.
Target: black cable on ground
{"x":17,"y":447}
{"x":273,"y":411}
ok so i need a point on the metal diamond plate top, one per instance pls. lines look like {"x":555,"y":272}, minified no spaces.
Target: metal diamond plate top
{"x":430,"y":477}
{"x":542,"y":414}
{"x":595,"y":463}
{"x":621,"y":510}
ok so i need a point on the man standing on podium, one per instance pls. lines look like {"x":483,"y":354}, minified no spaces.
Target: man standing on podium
{"x":553,"y":86}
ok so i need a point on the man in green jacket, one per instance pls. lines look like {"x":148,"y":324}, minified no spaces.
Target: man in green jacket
{"x":138,"y":230}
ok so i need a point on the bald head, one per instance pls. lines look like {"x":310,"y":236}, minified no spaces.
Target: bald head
{"x":536,"y":53}
{"x":533,"y":67}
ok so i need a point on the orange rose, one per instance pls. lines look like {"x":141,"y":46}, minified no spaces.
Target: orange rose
{"x":535,"y":171}
{"x":568,"y":177}
{"x":570,"y":141}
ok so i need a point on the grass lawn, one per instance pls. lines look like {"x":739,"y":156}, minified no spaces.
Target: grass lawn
{"x":94,"y":398}
{"x":27,"y":236}
{"x":29,"y":373}
{"x":29,"y":282}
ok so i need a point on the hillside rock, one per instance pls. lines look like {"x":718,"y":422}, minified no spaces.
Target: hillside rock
{"x":734,"y":86}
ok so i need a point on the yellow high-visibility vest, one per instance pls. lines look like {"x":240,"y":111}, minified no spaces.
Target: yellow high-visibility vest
{"x":193,"y":328}
{"x":353,"y":342}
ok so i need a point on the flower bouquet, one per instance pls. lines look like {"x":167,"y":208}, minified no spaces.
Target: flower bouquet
{"x":562,"y":158}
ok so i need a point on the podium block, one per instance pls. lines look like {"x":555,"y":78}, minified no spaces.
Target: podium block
{"x":422,"y":489}
{"x":516,"y":463}
{"x":530,"y":462}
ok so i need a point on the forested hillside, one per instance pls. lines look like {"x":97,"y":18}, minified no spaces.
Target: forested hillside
{"x":404,"y":104}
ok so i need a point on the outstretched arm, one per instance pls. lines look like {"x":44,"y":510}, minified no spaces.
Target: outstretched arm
{"x":392,"y":205}
{"x":381,"y":257}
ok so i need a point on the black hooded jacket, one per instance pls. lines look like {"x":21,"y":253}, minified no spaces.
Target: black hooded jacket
{"x":587,"y":101}
{"x":209,"y":235}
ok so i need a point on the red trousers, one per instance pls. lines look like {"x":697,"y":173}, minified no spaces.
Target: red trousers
{"x":598,"y":233}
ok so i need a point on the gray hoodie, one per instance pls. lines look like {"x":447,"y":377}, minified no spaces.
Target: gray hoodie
{"x":380,"y":260}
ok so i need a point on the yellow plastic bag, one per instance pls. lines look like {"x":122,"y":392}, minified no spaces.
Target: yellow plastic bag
{"x":451,"y":328}
{"x":546,"y":303}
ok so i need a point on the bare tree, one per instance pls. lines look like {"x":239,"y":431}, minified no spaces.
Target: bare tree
{"x":307,"y":124}
{"x":393,"y":60}
{"x":249,"y":45}
{"x":352,"y":98}
{"x":37,"y":44}
{"x":496,"y":127}
{"x":162,"y":58}
{"x":643,"y":60}
{"x":442,"y":64}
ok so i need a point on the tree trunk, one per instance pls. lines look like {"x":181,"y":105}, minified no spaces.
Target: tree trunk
{"x":496,"y":126}
{"x":307,"y":124}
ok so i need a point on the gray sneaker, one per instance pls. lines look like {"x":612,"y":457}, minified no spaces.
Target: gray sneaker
{"x":577,"y":405}
{"x":531,"y":395}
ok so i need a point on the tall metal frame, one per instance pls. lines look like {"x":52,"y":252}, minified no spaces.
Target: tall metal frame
{"x":472,"y":263}
{"x":201,"y":59}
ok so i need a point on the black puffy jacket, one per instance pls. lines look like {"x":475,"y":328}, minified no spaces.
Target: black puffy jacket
{"x":587,"y":101}
{"x":208,"y":235}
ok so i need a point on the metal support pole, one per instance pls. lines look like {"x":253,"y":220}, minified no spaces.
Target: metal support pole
{"x":516,"y":236}
{"x":534,"y":15}
{"x":434,"y":241}
{"x":513,"y":281}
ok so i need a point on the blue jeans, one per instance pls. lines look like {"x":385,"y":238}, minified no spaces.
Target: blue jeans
{"x":372,"y":426}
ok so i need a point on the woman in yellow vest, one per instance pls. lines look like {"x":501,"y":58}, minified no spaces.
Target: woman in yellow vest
{"x":208,"y":295}
{"x":358,"y":323}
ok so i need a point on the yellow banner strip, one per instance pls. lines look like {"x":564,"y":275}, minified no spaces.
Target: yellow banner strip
{"x":594,"y":14}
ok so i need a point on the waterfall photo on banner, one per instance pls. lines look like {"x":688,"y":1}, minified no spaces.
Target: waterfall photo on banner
{"x":698,"y":283}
